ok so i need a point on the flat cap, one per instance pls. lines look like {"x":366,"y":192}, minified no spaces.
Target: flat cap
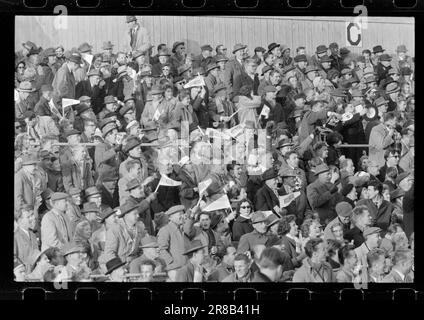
{"x":344,"y":209}
{"x":310,"y":69}
{"x":371,"y":230}
{"x":300,"y":57}
{"x":258,"y":216}
{"x":109,"y":99}
{"x":269,"y":174}
{"x":132,"y":184}
{"x":59,"y":196}
{"x":71,"y":133}
{"x":74,"y":191}
{"x":266,"y":69}
{"x":321,"y":168}
{"x":175,"y":209}
{"x":91,"y":191}
{"x":90,"y":207}
{"x":270,"y":88}
{"x":127,"y":208}
{"x":149,"y":242}
{"x":206,"y":47}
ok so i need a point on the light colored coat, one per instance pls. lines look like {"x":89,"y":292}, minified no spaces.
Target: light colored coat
{"x":141,"y":43}
{"x":53,"y":232}
{"x":24,"y":245}
{"x":25,"y":191}
{"x":119,"y":242}
{"x":379,"y":141}
{"x":172,"y":245}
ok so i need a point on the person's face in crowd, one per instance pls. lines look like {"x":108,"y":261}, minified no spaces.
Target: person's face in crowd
{"x":276,"y":52}
{"x":230,"y":255}
{"x":239,"y":54}
{"x":168,"y":94}
{"x":76,"y":198}
{"x":393,"y":159}
{"x":27,"y":220}
{"x":18,"y":128}
{"x":294,"y":229}
{"x":156,"y":97}
{"x":221,"y":65}
{"x":286,"y":53}
{"x":334,"y":50}
{"x":130,"y":103}
{"x":86,"y":231}
{"x":146,"y":273}
{"x":56,"y":165}
{"x":350,"y":167}
{"x":270,"y":96}
{"x":74,"y":139}
{"x":34,"y":59}
{"x":52,"y":59}
{"x":372,"y":192}
{"x":166,"y":70}
{"x":314,"y":230}
{"x":260,"y":227}
{"x":373,"y":168}
{"x":324,"y":177}
{"x":96,"y":198}
{"x":246,"y":209}
{"x":319,"y":254}
{"x":326,"y":65}
{"x":406,"y":88}
{"x":186,"y":101}
{"x":275,"y":79}
{"x":293,"y":160}
{"x":135,"y":171}
{"x":163,"y":59}
{"x":272,"y":183}
{"x":198,"y":257}
{"x":131,"y":217}
{"x":364,"y":163}
{"x":222,"y":226}
{"x":141,"y":60}
{"x":73,"y":66}
{"x":274,"y":229}
{"x":378,"y":266}
{"x":386,"y":194}
{"x":352,"y":194}
{"x":61,"y":204}
{"x":401,"y":105}
{"x":21,"y":68}
{"x":205,"y":221}
{"x":111,"y":107}
{"x":311,"y":75}
{"x":117,"y":274}
{"x":338,"y":232}
{"x":373,"y":240}
{"x":59,"y":52}
{"x":401,"y":240}
{"x":91,"y":216}
{"x":251,"y":68}
{"x":105,"y":71}
{"x":290,"y":181}
{"x":121,"y":59}
{"x":323,"y":152}
{"x":151,"y":253}
{"x":95,"y":80}
{"x":111,"y":136}
{"x":365,"y":219}
{"x":74,"y":259}
{"x":293,"y":81}
{"x":237,"y":171}
{"x":241,"y":268}
{"x":89,"y":129}
{"x":177,"y":218}
{"x":352,"y":259}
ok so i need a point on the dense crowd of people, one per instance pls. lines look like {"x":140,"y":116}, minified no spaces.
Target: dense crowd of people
{"x":270,"y":166}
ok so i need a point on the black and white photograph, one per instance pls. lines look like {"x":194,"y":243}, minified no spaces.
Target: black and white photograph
{"x":233,"y":149}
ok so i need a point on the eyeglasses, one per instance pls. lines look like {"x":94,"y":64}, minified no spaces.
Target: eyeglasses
{"x":245,"y":207}
{"x":395,"y":156}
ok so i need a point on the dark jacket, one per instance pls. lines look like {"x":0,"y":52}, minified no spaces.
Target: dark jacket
{"x":84,"y":88}
{"x":356,"y":235}
{"x":242,"y":80}
{"x":322,"y":200}
{"x":143,"y":213}
{"x":382,"y":215}
{"x":241,"y":226}
{"x":266,"y":199}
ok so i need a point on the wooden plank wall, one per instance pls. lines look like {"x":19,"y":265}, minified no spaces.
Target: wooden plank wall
{"x":198,"y":30}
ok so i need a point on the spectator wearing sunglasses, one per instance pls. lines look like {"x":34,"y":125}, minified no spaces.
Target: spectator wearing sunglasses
{"x":391,"y":156}
{"x":242,"y":224}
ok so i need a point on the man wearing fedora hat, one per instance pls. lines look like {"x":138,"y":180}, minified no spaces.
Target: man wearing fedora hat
{"x":322,"y":193}
{"x":211,"y":79}
{"x":136,"y":38}
{"x":90,"y":88}
{"x":383,"y":67}
{"x":123,"y":238}
{"x":179,"y":56}
{"x":27,"y":184}
{"x":26,"y":100}
{"x":204,"y":58}
{"x":73,"y":270}
{"x":401,"y":58}
{"x":220,"y":108}
{"x":171,"y":238}
{"x":25,"y":240}
{"x":116,"y":270}
{"x":248,"y":77}
{"x":64,"y":80}
{"x":193,"y":270}
{"x":258,"y":236}
{"x":267,"y":196}
{"x":108,"y":155}
{"x":151,"y":252}
{"x":234,"y":66}
{"x":344,"y":212}
{"x":56,"y":229}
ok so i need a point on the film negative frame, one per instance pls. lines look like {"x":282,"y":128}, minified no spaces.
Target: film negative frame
{"x":204,"y":292}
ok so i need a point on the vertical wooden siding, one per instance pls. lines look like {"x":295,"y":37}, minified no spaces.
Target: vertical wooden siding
{"x":199,"y":30}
